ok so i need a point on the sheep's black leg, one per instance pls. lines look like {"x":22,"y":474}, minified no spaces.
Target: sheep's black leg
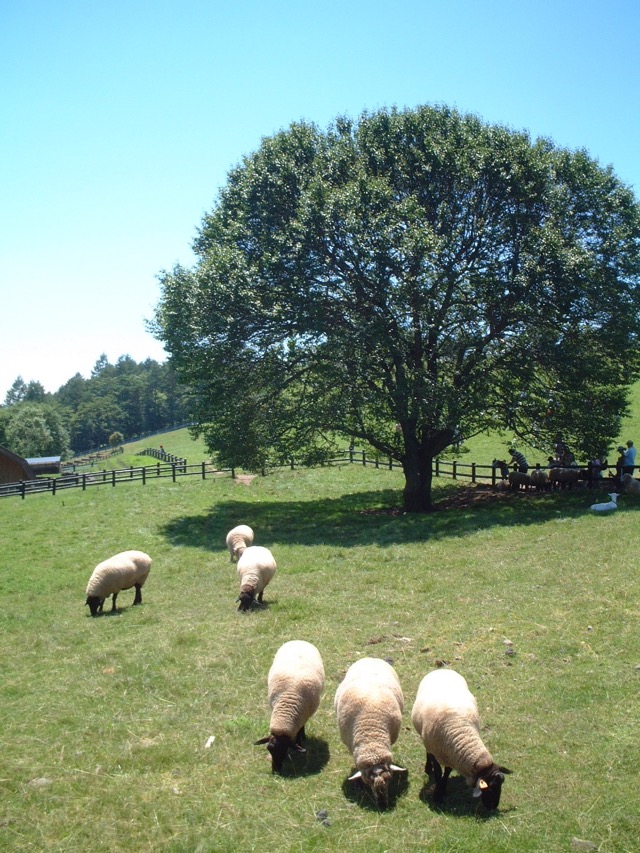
{"x":300,"y":737}
{"x":138,"y":596}
{"x":113,"y":606}
{"x":440,"y":778}
{"x":432,"y":768}
{"x":260,"y":596}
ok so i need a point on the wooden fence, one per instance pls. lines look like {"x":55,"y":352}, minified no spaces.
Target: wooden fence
{"x":176,"y":467}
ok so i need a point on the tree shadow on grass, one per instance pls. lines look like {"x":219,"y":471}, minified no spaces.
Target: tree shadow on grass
{"x":371,"y":518}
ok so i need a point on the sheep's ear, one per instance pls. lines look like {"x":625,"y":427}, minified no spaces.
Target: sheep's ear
{"x":262,"y":740}
{"x":505,"y":770}
{"x":356,"y":775}
{"x":299,"y":748}
{"x":397,"y":769}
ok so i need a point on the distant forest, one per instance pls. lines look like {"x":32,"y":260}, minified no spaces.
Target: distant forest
{"x":125,"y":398}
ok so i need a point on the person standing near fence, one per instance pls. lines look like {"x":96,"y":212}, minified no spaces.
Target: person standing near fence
{"x":629,"y":458}
{"x":519,"y":459}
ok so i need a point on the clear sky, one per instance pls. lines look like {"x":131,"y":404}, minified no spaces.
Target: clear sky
{"x":120,"y":119}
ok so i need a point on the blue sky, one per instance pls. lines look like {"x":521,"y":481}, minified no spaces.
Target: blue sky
{"x":120,"y":121}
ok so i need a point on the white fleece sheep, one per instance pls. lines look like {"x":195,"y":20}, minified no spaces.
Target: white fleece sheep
{"x":256,"y":567}
{"x":122,"y":571}
{"x":629,"y":485}
{"x":295,"y":684}
{"x":519,"y":479}
{"x":239,"y":538}
{"x":445,"y":715}
{"x":564,"y":477}
{"x":369,"y":705}
{"x":540,"y":479}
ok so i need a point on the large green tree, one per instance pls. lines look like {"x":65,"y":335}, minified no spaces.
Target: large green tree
{"x":407,"y":279}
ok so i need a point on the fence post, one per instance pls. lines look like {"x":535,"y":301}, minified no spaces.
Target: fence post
{"x":390,"y":464}
{"x":84,"y":482}
{"x":473,"y":472}
{"x":364,"y":459}
{"x":23,"y":489}
{"x":204,"y":470}
{"x":144,"y":476}
{"x":454,"y":469}
{"x":233,"y":473}
{"x":53,"y":487}
{"x":173,"y":471}
{"x":437,"y":467}
{"x":113,"y":478}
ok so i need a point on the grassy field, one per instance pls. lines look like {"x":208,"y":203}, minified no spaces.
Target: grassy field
{"x":104,"y":722}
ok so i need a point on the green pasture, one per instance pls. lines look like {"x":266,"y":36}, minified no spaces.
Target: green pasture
{"x":104,"y":723}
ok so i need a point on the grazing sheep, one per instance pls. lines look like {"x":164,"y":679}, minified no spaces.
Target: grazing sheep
{"x":122,"y":571}
{"x":445,"y":715}
{"x":369,"y":705}
{"x":518,"y":479}
{"x":629,"y":485}
{"x":563,"y":477}
{"x":238,"y":539}
{"x":295,"y":684}
{"x":608,"y":505}
{"x":539,"y":479}
{"x":256,"y":567}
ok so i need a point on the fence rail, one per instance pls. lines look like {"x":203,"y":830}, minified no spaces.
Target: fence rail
{"x":176,"y":467}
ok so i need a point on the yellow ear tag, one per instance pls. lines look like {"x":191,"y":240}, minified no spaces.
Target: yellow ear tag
{"x":483,"y":785}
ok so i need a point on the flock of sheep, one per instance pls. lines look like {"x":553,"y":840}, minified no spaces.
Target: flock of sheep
{"x":368,"y":703}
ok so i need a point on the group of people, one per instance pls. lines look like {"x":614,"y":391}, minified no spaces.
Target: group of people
{"x":563,"y":458}
{"x":626,"y":461}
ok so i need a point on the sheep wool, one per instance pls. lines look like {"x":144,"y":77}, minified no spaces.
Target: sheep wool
{"x":445,"y":715}
{"x":369,"y":704}
{"x":629,"y":485}
{"x":122,"y":571}
{"x":295,"y":684}
{"x":238,"y":539}
{"x":256,"y":568}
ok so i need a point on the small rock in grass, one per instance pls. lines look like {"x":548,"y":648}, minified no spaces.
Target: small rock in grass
{"x":581,"y":844}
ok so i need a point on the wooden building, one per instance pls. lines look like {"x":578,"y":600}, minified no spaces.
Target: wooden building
{"x":14,"y":468}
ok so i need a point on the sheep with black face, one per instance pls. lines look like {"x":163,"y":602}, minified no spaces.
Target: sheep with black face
{"x":445,"y":715}
{"x":295,"y":684}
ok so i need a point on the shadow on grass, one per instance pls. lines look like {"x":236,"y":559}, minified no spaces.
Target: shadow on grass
{"x":459,"y":800}
{"x":309,"y":763}
{"x":360,"y":794}
{"x":372,"y":518}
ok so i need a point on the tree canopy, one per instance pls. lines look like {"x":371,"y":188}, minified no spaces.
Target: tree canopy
{"x":408,"y":279}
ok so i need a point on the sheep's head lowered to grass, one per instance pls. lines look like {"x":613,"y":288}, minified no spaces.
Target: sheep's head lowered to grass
{"x":378,"y":778}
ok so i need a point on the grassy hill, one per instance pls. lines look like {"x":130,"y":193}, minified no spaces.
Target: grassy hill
{"x":481,"y":449}
{"x":105,"y":722}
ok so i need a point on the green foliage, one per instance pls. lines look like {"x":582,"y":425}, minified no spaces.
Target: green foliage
{"x":409,"y":280}
{"x":104,"y":722}
{"x":36,"y":430}
{"x":116,"y":439}
{"x":127,"y":397}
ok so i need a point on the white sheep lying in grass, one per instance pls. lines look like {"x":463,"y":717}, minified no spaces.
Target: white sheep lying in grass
{"x":445,"y":715}
{"x":122,"y":571}
{"x":629,"y":485}
{"x":256,"y":567}
{"x":369,"y":705}
{"x":238,"y":539}
{"x":606,"y":506}
{"x":295,"y":684}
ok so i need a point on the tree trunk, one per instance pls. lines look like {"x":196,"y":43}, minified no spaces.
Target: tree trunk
{"x":418,"y":475}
